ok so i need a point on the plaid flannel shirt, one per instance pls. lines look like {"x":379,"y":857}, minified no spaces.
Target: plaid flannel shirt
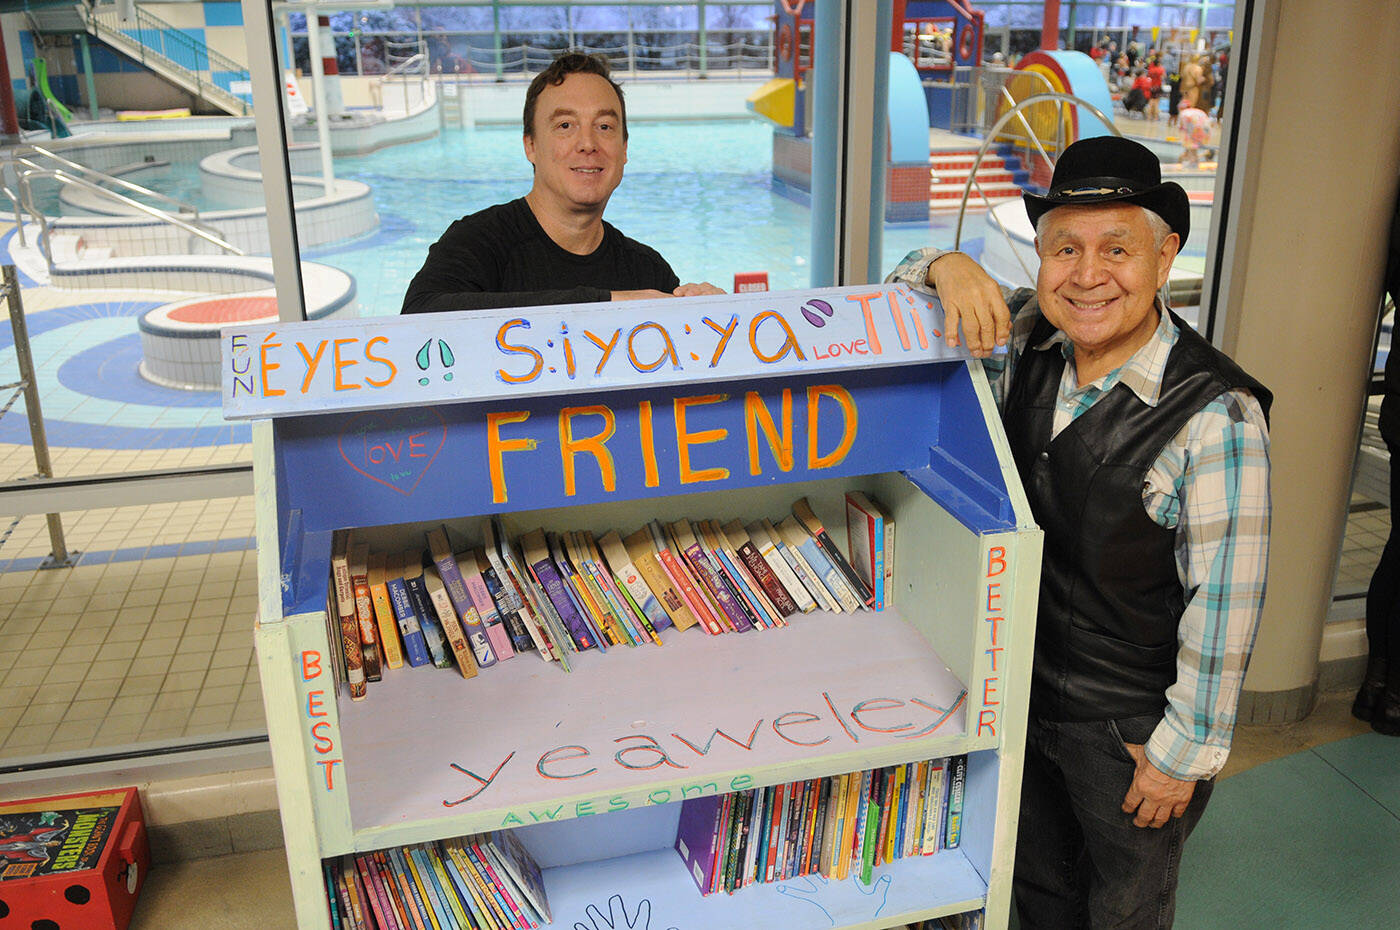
{"x":1210,"y":483}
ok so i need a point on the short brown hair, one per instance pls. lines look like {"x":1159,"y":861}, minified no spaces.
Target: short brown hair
{"x":566,"y":64}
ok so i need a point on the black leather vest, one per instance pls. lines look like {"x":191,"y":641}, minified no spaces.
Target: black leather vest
{"x":1110,"y":595}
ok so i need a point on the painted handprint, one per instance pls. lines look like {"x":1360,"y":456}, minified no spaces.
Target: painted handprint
{"x":811,"y":888}
{"x":617,"y":918}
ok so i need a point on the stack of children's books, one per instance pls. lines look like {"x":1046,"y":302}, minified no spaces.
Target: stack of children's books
{"x":469,"y":883}
{"x":836,"y":827}
{"x":557,"y":594}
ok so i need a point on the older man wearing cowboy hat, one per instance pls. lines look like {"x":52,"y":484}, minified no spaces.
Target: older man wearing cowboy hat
{"x":1144,"y":452}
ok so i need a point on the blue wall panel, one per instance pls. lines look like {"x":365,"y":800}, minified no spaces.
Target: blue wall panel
{"x":223,"y":13}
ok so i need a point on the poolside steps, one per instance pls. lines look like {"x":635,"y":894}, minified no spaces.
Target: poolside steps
{"x":999,"y":177}
{"x":66,"y":248}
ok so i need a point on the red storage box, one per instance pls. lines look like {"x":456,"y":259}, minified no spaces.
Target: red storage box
{"x":73,"y":862}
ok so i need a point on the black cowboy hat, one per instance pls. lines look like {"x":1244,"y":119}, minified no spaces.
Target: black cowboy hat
{"x":1110,"y":169}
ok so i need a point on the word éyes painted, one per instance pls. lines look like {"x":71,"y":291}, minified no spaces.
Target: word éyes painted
{"x":350,"y":363}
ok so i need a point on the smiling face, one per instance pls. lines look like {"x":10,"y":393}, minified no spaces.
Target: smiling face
{"x":1100,"y":268}
{"x":578,"y":146}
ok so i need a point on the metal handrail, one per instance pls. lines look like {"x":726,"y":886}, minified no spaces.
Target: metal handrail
{"x":738,"y":58}
{"x":108,"y":25}
{"x":46,"y":228}
{"x":403,"y":67}
{"x":27,"y":387}
{"x":19,"y":213}
{"x":990,"y":140}
{"x":102,"y":177}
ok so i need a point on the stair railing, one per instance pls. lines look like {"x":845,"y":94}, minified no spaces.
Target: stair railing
{"x":151,"y":34}
{"x":103,"y":178}
{"x":991,"y":139}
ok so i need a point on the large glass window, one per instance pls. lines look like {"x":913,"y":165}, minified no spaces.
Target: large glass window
{"x":421,"y":127}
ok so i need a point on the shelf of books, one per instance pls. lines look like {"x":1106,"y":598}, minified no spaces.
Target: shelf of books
{"x":719,"y":609}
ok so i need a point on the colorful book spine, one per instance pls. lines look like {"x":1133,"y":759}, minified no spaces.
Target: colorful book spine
{"x":345,"y":607}
{"x":865,"y":543}
{"x":451,"y":574}
{"x":374,"y":894}
{"x":414,"y":645}
{"x":798,"y":537}
{"x":569,"y":576}
{"x":728,"y":576}
{"x":392,"y":647}
{"x":642,"y":554}
{"x":672,"y":562}
{"x":621,"y":599}
{"x":758,"y":567}
{"x":551,"y":639}
{"x":433,"y":634}
{"x":933,"y":807}
{"x":802,"y":510}
{"x":591,"y":593}
{"x":735,"y":617}
{"x":474,"y":892}
{"x":801,"y":570}
{"x":446,"y":887}
{"x":408,"y":890}
{"x":451,"y":626}
{"x":697,"y":833}
{"x":957,"y":785}
{"x":768,"y":551}
{"x":358,"y":557}
{"x":629,"y":580}
{"x":777,"y":842}
{"x":507,"y":602}
{"x":547,"y":575}
{"x":742,"y":582}
{"x":500,"y":906}
{"x":497,"y":636}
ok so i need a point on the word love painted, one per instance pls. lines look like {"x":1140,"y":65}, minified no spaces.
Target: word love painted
{"x":370,"y":364}
{"x":828,"y":720}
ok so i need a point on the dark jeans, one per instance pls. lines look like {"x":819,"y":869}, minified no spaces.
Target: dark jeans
{"x":1080,"y":862}
{"x":1383,"y":596}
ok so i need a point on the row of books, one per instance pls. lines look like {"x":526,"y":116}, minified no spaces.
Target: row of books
{"x":556,"y":594}
{"x":470,"y":883}
{"x":831,"y":826}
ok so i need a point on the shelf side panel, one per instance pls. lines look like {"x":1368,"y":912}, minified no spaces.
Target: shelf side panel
{"x":964,"y":472}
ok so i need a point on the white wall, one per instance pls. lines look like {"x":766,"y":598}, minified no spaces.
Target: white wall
{"x":1316,"y":185}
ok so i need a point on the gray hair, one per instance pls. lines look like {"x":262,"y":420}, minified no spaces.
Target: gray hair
{"x":1159,"y":227}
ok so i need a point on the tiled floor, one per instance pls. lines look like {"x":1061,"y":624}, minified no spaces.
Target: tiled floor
{"x":137,"y":644}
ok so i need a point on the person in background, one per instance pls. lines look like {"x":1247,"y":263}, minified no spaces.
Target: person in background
{"x":552,"y":246}
{"x":1205,"y":94}
{"x":1191,"y":82}
{"x":1156,"y":75}
{"x":1378,"y":700}
{"x":1139,"y":97}
{"x":1194,"y":127}
{"x":1144,"y":452}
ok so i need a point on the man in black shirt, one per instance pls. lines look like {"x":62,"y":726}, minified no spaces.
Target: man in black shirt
{"x":552,"y":246}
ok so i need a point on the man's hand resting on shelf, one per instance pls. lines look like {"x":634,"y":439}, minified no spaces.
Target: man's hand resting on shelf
{"x":969,"y":295}
{"x":702,"y":289}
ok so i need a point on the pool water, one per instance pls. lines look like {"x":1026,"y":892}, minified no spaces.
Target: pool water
{"x":699,"y":192}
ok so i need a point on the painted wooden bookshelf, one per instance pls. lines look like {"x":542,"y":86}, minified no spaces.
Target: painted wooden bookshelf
{"x":604,"y":417}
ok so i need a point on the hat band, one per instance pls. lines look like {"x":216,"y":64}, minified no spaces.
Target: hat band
{"x":1097,"y":187}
